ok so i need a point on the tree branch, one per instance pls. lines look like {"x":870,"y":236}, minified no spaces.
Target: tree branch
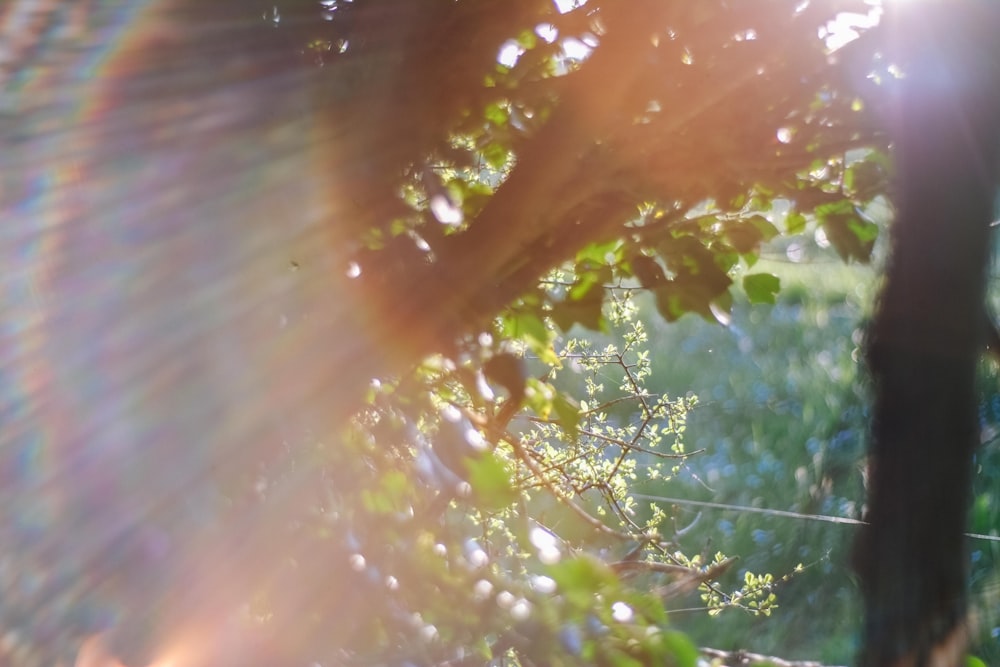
{"x":747,"y":659}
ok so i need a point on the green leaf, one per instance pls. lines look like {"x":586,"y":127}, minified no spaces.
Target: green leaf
{"x":620,"y":658}
{"x":392,"y":493}
{"x":490,"y":482}
{"x":496,"y":114}
{"x":726,"y":258}
{"x":588,"y":313}
{"x":590,"y":283}
{"x":650,"y":606}
{"x":693,"y":291}
{"x":795,"y":222}
{"x":865,"y":230}
{"x":722,"y":308}
{"x":495,"y":155}
{"x":539,"y":397}
{"x":743,"y":237}
{"x":850,"y":235}
{"x":647,"y":270}
{"x":474,"y":197}
{"x":696,"y":268}
{"x":600,"y":253}
{"x":528,"y":327}
{"x":865,"y":179}
{"x":766,"y":228}
{"x":973,"y":661}
{"x":528,"y":39}
{"x":668,"y":304}
{"x":580,"y":578}
{"x":509,"y":372}
{"x":747,"y":234}
{"x":568,"y":413}
{"x":761,"y":287}
{"x":684,"y":652}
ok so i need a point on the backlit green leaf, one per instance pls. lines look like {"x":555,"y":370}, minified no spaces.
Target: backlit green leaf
{"x":568,"y":413}
{"x":685,"y":653}
{"x":761,"y":287}
{"x":490,"y":482}
{"x":795,"y":222}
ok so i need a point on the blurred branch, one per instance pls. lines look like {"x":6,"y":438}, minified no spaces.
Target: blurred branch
{"x":697,"y":578}
{"x":746,"y":659}
{"x":665,"y":568}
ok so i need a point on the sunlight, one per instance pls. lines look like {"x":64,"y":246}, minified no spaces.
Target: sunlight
{"x":175,"y":657}
{"x":848,"y":26}
{"x":94,"y":653}
{"x":563,"y":6}
{"x":509,"y":53}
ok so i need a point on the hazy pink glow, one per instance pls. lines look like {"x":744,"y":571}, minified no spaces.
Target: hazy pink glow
{"x":148,"y":297}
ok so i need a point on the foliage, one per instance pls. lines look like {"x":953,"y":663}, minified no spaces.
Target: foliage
{"x":505,"y":174}
{"x":516,"y":513}
{"x":684,"y":185}
{"x":781,"y":425}
{"x":627,"y":188}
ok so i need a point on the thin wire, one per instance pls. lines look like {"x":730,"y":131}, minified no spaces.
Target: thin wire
{"x":780,"y":513}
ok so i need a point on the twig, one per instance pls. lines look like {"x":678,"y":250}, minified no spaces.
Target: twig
{"x":695,"y":579}
{"x":747,"y":659}
{"x":521,"y":453}
{"x":623,"y":566}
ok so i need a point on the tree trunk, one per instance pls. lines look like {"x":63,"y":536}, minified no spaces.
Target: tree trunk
{"x":927,"y":335}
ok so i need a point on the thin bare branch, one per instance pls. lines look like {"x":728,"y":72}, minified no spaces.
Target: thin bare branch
{"x":696,"y":579}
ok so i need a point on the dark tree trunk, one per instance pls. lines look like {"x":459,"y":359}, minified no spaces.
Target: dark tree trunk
{"x":926,"y":337}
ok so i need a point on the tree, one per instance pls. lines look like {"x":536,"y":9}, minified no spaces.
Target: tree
{"x":422,"y":195}
{"x":927,"y":337}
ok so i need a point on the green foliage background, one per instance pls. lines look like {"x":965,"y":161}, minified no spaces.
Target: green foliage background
{"x":782,"y":424}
